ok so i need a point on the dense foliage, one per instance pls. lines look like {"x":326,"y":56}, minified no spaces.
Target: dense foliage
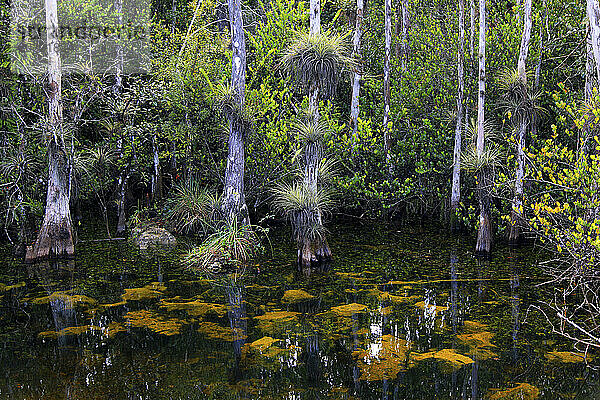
{"x":164,"y":133}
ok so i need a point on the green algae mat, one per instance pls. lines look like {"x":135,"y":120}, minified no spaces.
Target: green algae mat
{"x":402,"y":313}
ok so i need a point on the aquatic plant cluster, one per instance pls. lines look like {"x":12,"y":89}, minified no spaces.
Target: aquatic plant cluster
{"x":364,"y":330}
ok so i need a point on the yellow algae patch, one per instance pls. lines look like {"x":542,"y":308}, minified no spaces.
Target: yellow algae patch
{"x":405,"y":283}
{"x":386,"y":311}
{"x":296,"y":296}
{"x":474,"y":326}
{"x":114,"y":328}
{"x":112,"y":305}
{"x":69,"y":331}
{"x":4,"y":288}
{"x":263,"y":343}
{"x":69,"y":300}
{"x":479,"y":343}
{"x":382,"y":361}
{"x":347,"y":310}
{"x":277,"y":316}
{"x":216,"y":331}
{"x":148,"y":292}
{"x":274,"y":321}
{"x":401,"y":299}
{"x":481,"y":339}
{"x":196,"y":308}
{"x":523,"y":391}
{"x":565,"y":357}
{"x":154,"y":322}
{"x":448,"y":356}
{"x":430,"y":307}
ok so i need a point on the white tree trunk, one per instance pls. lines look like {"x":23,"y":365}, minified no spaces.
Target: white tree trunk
{"x":386,"y":80}
{"x":234,"y":203}
{"x":55,"y":238}
{"x":312,"y":253}
{"x":315,"y":17}
{"x":593,"y":13}
{"x":405,"y":24}
{"x":455,"y":197}
{"x":517,"y":203}
{"x":472,"y":28}
{"x":484,"y":233}
{"x":356,"y":53}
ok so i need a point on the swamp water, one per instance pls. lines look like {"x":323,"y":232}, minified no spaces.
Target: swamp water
{"x":401,"y":314}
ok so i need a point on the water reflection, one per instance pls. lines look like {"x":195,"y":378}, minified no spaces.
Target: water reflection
{"x":419,"y":319}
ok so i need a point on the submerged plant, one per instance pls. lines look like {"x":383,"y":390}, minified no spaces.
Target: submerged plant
{"x":192,"y":208}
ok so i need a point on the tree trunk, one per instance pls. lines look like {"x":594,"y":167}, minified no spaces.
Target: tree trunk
{"x":386,"y":81}
{"x":356,"y":53}
{"x":405,"y":23}
{"x":234,"y":202}
{"x":157,"y":184}
{"x":517,"y":203}
{"x":55,"y":238}
{"x":593,"y":13}
{"x":455,"y":197}
{"x":313,"y":252}
{"x":484,"y":233}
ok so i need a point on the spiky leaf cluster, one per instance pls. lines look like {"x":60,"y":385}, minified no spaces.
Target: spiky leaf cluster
{"x":317,"y":61}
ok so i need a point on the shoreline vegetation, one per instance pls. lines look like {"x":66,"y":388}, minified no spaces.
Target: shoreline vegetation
{"x":482,"y":116}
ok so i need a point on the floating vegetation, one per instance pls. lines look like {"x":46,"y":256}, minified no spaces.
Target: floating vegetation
{"x":5,"y":288}
{"x":479,"y":344}
{"x":195,"y":308}
{"x":566,"y":357}
{"x":69,"y":301}
{"x":152,"y":291}
{"x":382,"y":361}
{"x":154,"y":322}
{"x":474,"y":326}
{"x":430,"y":307}
{"x":296,"y":296}
{"x":112,"y":305}
{"x":523,"y":391}
{"x":69,"y":331}
{"x":263,"y":343}
{"x":398,"y":299}
{"x":274,"y":320}
{"x":448,"y":356}
{"x":215,"y":331}
{"x":348,"y":310}
{"x":113,"y":329}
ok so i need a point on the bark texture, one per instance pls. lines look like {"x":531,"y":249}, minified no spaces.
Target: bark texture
{"x":55,"y":238}
{"x":405,"y":24}
{"x":593,"y":13}
{"x":356,"y":53}
{"x":515,"y":234}
{"x":484,"y":232}
{"x":234,"y":202}
{"x":455,"y":196}
{"x":313,"y":251}
{"x":386,"y":80}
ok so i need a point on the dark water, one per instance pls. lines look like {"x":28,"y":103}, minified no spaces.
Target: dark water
{"x":402,"y":314}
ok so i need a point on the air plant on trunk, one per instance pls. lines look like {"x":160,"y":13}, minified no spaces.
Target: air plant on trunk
{"x":520,"y":104}
{"x":303,"y":203}
{"x":315,"y":62}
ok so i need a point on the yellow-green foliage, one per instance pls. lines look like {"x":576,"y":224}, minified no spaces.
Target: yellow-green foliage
{"x":154,"y":322}
{"x":523,"y":391}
